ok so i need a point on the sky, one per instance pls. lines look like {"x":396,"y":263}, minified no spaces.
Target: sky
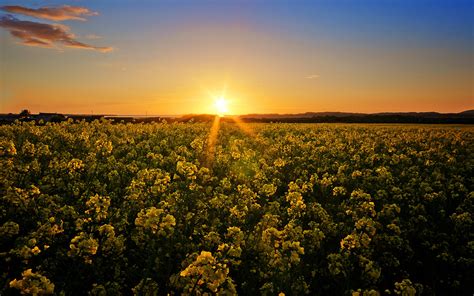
{"x":171,"y":57}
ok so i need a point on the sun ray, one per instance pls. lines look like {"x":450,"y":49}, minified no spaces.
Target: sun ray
{"x":211,"y":141}
{"x":243,"y":126}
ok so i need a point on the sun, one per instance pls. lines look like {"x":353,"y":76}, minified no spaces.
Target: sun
{"x":221,"y":105}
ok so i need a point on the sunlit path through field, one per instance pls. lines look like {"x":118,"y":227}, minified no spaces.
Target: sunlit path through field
{"x":211,"y":141}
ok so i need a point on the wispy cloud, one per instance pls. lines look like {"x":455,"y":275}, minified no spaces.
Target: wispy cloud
{"x":312,"y":76}
{"x":92,"y":36}
{"x":60,"y":13}
{"x":44,"y":35}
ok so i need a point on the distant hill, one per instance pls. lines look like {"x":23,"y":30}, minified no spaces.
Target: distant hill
{"x":466,"y":117}
{"x":467,"y":113}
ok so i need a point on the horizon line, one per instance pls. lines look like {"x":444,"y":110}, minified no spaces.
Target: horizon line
{"x":233,"y":115}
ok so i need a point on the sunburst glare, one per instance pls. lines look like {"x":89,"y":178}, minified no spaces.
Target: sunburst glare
{"x":222,"y":106}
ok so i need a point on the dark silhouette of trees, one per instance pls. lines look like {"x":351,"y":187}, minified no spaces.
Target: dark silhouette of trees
{"x":25,"y":113}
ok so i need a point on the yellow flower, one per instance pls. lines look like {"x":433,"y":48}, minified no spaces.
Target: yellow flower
{"x":36,"y":250}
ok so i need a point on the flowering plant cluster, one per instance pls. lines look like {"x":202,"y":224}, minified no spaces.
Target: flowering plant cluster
{"x":289,"y":209}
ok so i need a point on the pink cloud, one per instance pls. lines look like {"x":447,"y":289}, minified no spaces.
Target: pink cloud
{"x":44,"y":35}
{"x":60,"y":13}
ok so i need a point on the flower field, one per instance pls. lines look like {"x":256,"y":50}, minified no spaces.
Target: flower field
{"x":201,"y":209}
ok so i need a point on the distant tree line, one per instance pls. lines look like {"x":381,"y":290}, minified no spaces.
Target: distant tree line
{"x":460,"y":118}
{"x":368,"y":119}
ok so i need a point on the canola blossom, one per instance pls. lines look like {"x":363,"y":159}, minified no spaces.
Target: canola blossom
{"x":274,"y":209}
